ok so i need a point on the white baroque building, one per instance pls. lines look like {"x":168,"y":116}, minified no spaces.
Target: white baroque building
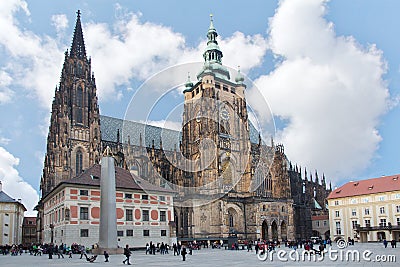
{"x":366,"y":210}
{"x":72,"y":210}
{"x":11,"y":218}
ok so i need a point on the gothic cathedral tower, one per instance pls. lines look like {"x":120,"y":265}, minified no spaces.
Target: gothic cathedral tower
{"x":215,"y":130}
{"x":73,"y":142}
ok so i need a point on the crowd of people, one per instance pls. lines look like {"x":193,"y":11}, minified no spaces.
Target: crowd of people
{"x":49,"y":249}
{"x":313,"y":245}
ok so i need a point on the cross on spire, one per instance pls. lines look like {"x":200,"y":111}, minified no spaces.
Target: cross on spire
{"x":78,"y":45}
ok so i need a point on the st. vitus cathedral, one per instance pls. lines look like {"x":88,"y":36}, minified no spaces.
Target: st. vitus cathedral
{"x":228,"y":181}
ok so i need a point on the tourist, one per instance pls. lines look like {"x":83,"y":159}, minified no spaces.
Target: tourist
{"x":82,"y":251}
{"x":106,"y":256}
{"x":50,"y":251}
{"x":183,"y":252}
{"x":91,"y":259}
{"x":127,"y":253}
{"x":59,"y":251}
{"x":385,"y":243}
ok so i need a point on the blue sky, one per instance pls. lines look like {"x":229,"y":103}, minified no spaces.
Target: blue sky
{"x":328,"y":69}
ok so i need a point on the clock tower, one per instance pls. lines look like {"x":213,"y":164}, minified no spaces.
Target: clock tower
{"x":215,"y":130}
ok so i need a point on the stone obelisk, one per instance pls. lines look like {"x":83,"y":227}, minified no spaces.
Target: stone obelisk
{"x":108,"y":211}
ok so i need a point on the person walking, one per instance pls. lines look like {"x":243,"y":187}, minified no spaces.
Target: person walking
{"x":183,"y":253}
{"x":50,"y":251}
{"x":127,"y":253}
{"x":106,"y":256}
{"x":82,"y":250}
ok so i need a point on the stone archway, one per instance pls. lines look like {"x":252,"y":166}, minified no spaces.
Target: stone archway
{"x":274,"y":230}
{"x":283,"y":230}
{"x":264,"y":230}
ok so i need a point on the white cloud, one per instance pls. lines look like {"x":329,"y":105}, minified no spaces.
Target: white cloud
{"x":328,"y":88}
{"x":246,"y":51}
{"x":4,"y":141}
{"x":136,"y":50}
{"x":60,"y":22}
{"x":6,"y":94}
{"x":14,"y":185}
{"x":34,"y":61}
{"x":173,"y":125}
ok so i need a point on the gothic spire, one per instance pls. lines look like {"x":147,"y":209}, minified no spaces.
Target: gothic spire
{"x":78,"y":45}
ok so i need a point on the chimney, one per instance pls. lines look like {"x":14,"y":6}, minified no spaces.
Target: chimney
{"x":1,"y":186}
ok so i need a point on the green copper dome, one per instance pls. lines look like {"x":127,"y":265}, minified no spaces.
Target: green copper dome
{"x":213,"y":55}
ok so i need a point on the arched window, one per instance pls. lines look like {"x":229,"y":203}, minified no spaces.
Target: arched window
{"x":79,"y":104}
{"x":231,"y":222}
{"x":78,"y":162}
{"x":79,"y":69}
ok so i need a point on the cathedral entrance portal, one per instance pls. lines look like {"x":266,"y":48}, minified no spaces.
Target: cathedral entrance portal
{"x":274,"y":228}
{"x":264,"y":230}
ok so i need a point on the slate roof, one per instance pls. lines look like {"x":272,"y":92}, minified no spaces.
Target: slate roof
{"x":110,"y":125}
{"x":6,"y":198}
{"x":123,"y":179}
{"x":369,"y":186}
{"x":170,"y":140}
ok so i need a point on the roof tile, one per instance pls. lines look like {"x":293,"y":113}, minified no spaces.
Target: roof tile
{"x":369,"y":186}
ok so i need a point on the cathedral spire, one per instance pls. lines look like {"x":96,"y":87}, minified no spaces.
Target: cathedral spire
{"x":78,"y":45}
{"x":213,"y":55}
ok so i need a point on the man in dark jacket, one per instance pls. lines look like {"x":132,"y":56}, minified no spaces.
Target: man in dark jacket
{"x":127,"y":253}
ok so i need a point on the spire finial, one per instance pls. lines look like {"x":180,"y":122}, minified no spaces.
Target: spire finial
{"x":107,"y":152}
{"x":78,"y":45}
{"x":211,"y":22}
{"x":188,"y":84}
{"x":239,"y":78}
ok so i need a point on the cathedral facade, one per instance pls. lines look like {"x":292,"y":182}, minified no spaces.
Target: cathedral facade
{"x":228,"y":181}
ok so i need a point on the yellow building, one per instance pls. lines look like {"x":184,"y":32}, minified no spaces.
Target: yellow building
{"x":366,"y":210}
{"x":11,"y":217}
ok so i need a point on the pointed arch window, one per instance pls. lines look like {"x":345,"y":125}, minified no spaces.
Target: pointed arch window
{"x":78,"y":162}
{"x":79,"y":104}
{"x":80,"y":69}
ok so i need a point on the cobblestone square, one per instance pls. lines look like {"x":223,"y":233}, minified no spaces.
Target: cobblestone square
{"x":218,"y":257}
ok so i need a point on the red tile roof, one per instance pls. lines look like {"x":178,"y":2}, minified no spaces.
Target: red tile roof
{"x":319,"y":217}
{"x":369,"y":186}
{"x":123,"y":179}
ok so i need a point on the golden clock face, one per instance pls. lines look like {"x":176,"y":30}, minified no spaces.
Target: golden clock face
{"x":224,"y":114}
